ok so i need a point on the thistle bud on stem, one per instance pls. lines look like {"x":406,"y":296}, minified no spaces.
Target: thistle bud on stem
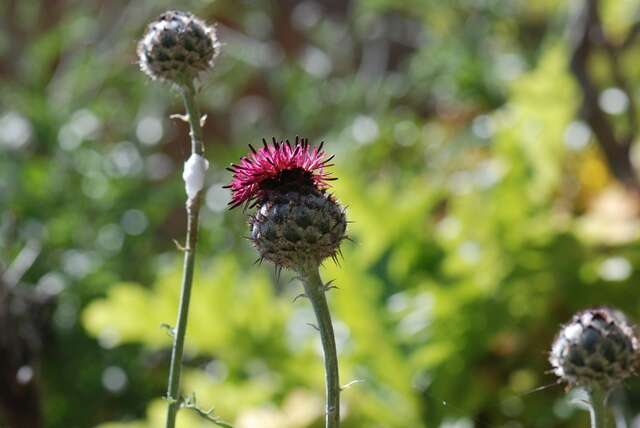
{"x":297,"y":225}
{"x":177,"y":47}
{"x":596,"y":350}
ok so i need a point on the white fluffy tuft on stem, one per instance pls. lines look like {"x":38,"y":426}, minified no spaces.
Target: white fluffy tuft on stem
{"x":193,"y":175}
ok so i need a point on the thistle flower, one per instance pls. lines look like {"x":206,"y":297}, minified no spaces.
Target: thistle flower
{"x":597,"y":349}
{"x":177,"y":47}
{"x":297,"y":226}
{"x":297,"y":223}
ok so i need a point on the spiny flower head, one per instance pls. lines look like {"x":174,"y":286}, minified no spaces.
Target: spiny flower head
{"x":280,"y":166}
{"x":598,"y":347}
{"x":297,"y":224}
{"x":177,"y":47}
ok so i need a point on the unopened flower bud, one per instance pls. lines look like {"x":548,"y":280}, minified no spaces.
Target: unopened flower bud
{"x":177,"y":47}
{"x":598,"y":347}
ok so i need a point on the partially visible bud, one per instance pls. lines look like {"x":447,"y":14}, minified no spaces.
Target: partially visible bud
{"x":177,"y":47}
{"x":598,"y":348}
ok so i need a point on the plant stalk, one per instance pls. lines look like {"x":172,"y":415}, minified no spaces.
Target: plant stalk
{"x":315,"y":290}
{"x":193,"y":211}
{"x":598,"y":407}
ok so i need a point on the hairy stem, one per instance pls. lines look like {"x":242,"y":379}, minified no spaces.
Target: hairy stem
{"x":193,"y":211}
{"x":315,"y":290}
{"x":598,"y":408}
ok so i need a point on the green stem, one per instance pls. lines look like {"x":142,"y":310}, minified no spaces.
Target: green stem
{"x":598,"y":407}
{"x":193,"y":113}
{"x":315,"y":290}
{"x":193,"y":211}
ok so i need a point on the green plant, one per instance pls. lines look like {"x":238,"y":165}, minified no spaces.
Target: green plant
{"x":297,"y":225}
{"x":176,"y":48}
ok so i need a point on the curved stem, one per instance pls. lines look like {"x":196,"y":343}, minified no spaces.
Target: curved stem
{"x":315,"y":290}
{"x":598,"y":408}
{"x":193,"y":211}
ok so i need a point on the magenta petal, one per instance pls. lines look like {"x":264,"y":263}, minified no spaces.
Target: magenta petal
{"x":270,"y":160}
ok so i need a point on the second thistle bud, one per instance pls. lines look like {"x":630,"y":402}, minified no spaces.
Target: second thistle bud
{"x":177,"y":47}
{"x":597,"y":348}
{"x":297,"y":223}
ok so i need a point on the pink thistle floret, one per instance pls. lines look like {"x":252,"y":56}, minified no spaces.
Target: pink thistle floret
{"x":278,"y":165}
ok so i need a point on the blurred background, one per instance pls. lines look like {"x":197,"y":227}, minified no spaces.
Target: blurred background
{"x":485,"y":150}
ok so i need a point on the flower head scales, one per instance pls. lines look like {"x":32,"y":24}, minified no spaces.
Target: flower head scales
{"x":599,"y":346}
{"x":279,"y":166}
{"x":177,"y":47}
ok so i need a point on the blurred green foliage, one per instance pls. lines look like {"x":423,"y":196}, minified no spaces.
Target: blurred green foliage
{"x":483,"y":215}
